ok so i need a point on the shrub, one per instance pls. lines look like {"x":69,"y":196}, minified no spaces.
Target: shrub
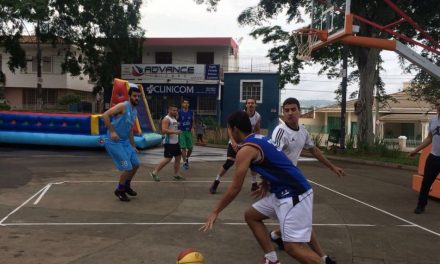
{"x":70,"y":98}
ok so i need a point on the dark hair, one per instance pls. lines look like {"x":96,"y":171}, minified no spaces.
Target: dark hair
{"x":240,"y":120}
{"x":291,"y":100}
{"x":171,"y":105}
{"x":251,"y":98}
{"x":185,"y":99}
{"x":133,"y":89}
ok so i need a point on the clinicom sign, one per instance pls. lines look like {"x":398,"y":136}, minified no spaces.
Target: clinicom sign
{"x":181,"y":89}
{"x":151,"y":72}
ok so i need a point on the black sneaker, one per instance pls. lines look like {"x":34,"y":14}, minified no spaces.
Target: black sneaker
{"x":254,"y":187}
{"x":278,"y":242}
{"x":122,"y":196}
{"x":130,"y":191}
{"x":419,"y":210}
{"x":214,"y":186}
{"x":329,"y":260}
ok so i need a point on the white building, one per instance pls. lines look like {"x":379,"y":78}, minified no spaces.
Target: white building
{"x":21,"y":87}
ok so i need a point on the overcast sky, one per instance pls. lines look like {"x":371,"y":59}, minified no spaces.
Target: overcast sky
{"x":184,"y":18}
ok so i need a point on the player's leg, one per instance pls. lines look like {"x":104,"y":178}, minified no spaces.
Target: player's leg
{"x":122,"y":163}
{"x":432,"y":169}
{"x":135,"y":164}
{"x":168,"y":156}
{"x":177,"y":153}
{"x":295,"y":216}
{"x":225,"y":167}
{"x":254,"y":216}
{"x":189,"y":146}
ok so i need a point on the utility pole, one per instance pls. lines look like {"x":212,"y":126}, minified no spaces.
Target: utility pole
{"x":343,"y":95}
{"x":39,"y":103}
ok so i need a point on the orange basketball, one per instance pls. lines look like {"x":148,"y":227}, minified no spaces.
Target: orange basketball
{"x":190,"y":256}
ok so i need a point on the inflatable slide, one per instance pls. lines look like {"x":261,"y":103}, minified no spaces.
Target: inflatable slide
{"x":418,"y":178}
{"x":80,"y":130}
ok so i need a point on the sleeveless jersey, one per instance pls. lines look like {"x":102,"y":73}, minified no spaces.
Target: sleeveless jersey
{"x":254,"y":120}
{"x":286,"y":180}
{"x":434,"y":128}
{"x":291,"y":141}
{"x":123,"y":123}
{"x":185,"y":120}
{"x":173,"y":138}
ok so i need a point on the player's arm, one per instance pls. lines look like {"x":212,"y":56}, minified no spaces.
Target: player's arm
{"x":115,"y":110}
{"x":424,"y":144}
{"x":131,"y":137}
{"x":166,"y":127}
{"x":318,"y":155}
{"x":231,"y":138}
{"x":244,"y":158}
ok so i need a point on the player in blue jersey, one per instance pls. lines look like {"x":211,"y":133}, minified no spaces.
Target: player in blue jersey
{"x":186,"y":120}
{"x":290,"y":200}
{"x":119,"y":141}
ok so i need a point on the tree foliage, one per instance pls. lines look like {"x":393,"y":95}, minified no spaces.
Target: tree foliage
{"x":100,"y":34}
{"x":366,"y":61}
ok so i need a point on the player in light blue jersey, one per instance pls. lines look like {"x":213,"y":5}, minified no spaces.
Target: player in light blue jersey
{"x":290,"y":200}
{"x":119,"y":141}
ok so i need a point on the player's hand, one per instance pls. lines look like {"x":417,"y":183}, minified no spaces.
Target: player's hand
{"x":114,"y":136}
{"x":412,"y":154}
{"x":340,"y":172}
{"x":209,"y":222}
{"x":177,"y":132}
{"x":263,"y":188}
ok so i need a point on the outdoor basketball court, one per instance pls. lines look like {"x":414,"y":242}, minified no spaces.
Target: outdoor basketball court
{"x":62,"y":210}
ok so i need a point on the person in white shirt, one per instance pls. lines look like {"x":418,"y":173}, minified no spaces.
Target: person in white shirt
{"x":432,"y":165}
{"x":292,"y":138}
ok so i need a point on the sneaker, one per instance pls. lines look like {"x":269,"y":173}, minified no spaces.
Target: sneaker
{"x":214,"y":186}
{"x":419,"y":210}
{"x":278,"y":242}
{"x":254,"y":187}
{"x":178,"y":178}
{"x":266,"y":261}
{"x":122,"y":196}
{"x":155,"y":176}
{"x":185,"y":166}
{"x":130,"y":191}
{"x":329,"y":260}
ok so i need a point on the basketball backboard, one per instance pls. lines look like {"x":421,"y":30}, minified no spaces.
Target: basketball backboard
{"x":332,"y":16}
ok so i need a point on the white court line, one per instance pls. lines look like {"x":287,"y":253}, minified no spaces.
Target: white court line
{"x":378,"y":209}
{"x":23,"y":204}
{"x":165,"y":224}
{"x":144,"y":181}
{"x":42,"y":193}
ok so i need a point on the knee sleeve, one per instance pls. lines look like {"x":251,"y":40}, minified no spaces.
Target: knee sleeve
{"x":228,"y":164}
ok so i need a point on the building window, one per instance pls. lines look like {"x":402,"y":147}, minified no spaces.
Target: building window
{"x":46,"y":64}
{"x":164,"y":58}
{"x":205,"y":57}
{"x":207,"y":105}
{"x":251,"y":89}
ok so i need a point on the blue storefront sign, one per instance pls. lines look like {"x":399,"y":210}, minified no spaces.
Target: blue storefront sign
{"x":181,"y":89}
{"x":212,"y":72}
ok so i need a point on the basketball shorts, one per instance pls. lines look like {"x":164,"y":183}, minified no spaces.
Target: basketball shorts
{"x":293,"y":213}
{"x":122,"y":153}
{"x":186,"y":140}
{"x":171,"y":150}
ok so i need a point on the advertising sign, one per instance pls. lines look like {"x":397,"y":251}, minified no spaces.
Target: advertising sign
{"x":160,"y":72}
{"x":181,"y":89}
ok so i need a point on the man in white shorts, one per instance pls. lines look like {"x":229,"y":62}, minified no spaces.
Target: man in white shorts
{"x":290,"y":200}
{"x":292,"y":138}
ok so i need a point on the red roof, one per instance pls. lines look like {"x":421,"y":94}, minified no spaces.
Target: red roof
{"x":228,"y":42}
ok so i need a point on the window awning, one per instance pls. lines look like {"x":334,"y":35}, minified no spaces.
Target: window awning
{"x":406,"y":118}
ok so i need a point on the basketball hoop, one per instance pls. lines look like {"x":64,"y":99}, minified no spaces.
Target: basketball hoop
{"x":304,"y":38}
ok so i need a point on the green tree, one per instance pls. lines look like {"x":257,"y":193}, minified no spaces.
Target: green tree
{"x":100,"y":34}
{"x":366,"y":61}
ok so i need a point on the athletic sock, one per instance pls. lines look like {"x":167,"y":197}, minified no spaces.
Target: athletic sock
{"x":271,"y":256}
{"x":127,"y":183}
{"x":121,"y":187}
{"x":323,"y":258}
{"x":274,"y":235}
{"x":218,"y":177}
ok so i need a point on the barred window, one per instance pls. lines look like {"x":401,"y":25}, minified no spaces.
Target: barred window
{"x":251,"y":89}
{"x":46,"y":64}
{"x":207,"y":105}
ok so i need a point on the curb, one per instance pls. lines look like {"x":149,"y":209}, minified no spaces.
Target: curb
{"x":376,"y":163}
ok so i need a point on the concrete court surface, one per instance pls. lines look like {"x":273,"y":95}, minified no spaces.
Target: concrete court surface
{"x":57,"y":206}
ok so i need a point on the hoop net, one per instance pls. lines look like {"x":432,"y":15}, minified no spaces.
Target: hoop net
{"x":304,"y":38}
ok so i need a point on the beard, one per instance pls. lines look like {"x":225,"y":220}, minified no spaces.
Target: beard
{"x":134,"y":102}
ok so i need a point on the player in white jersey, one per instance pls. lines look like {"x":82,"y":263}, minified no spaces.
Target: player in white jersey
{"x":292,"y":138}
{"x":255,"y":119}
{"x":171,"y":144}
